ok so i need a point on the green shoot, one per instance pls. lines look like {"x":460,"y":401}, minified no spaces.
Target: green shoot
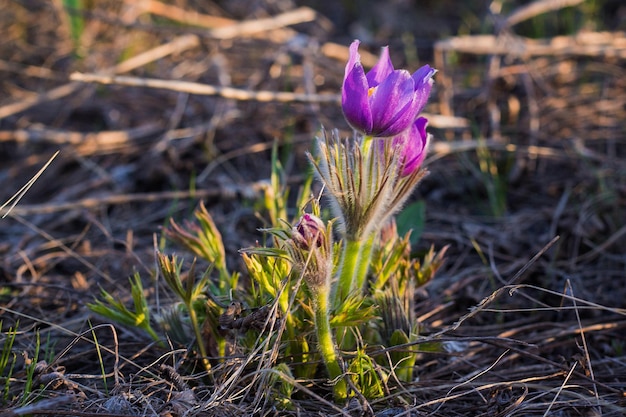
{"x":494,"y":180}
{"x":115,"y":310}
{"x":31,"y":365}
{"x":100,"y":359}
{"x":189,"y":293}
{"x":364,"y":373}
{"x":7,"y":356}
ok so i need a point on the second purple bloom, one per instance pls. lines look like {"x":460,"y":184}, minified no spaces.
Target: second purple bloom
{"x":412,"y":145}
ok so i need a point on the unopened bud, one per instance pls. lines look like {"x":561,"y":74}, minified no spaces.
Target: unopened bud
{"x":310,"y":249}
{"x":309,"y":232}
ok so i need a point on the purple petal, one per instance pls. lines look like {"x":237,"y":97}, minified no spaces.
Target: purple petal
{"x":423,"y":85}
{"x":393,"y":104}
{"x":412,"y":144}
{"x":354,"y":57}
{"x":355,"y":101}
{"x":423,"y":75}
{"x":381,"y":70}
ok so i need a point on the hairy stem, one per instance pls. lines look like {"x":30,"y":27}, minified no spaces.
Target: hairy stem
{"x":347,"y":270}
{"x":326,"y":342}
{"x":363,"y":262}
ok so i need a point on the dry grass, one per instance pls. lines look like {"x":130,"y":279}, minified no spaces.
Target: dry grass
{"x":544,"y":335}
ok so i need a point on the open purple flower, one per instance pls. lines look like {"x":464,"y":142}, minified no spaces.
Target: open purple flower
{"x":384,"y":102}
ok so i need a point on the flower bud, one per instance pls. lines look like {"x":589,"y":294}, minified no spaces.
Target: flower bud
{"x":309,"y":232}
{"x":310,"y":250}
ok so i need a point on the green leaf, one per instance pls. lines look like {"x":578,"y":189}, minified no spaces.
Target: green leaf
{"x":425,"y":271}
{"x":354,"y":311}
{"x":413,"y":217}
{"x":204,"y":240}
{"x":403,"y":360}
{"x":115,"y":310}
{"x":364,"y":374}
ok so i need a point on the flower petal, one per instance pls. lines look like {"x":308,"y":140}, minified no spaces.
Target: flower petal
{"x":393,"y":105}
{"x":423,"y":75}
{"x":412,"y":144}
{"x":381,"y":70}
{"x":354,"y":57}
{"x":423,"y":85}
{"x":355,"y":101}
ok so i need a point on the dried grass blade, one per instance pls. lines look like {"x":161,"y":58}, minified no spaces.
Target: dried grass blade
{"x":22,"y":191}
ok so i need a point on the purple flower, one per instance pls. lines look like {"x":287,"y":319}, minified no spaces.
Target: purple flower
{"x":384,"y":102}
{"x":412,"y":144}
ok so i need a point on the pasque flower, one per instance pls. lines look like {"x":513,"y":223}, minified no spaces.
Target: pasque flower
{"x":385,"y":101}
{"x":369,"y":177}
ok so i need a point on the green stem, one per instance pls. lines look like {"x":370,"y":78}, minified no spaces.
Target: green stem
{"x":193,"y":317}
{"x":326,"y":343}
{"x":355,"y":263}
{"x":363,"y":262}
{"x":357,"y":257}
{"x":351,"y":273}
{"x":153,"y":334}
{"x":347,"y":270}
